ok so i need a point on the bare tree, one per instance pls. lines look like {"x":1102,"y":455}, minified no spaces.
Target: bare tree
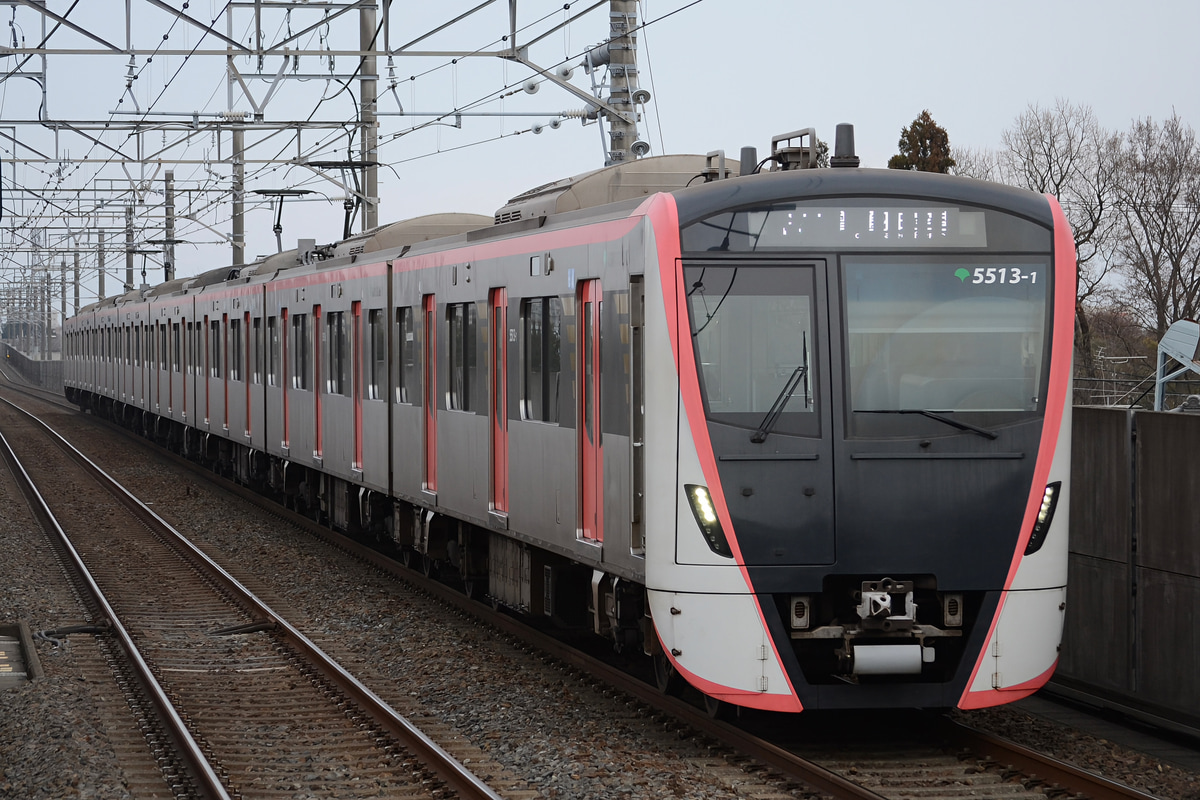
{"x":1125,"y":355}
{"x":1065,"y":152}
{"x":972,"y":163}
{"x":1160,"y":222}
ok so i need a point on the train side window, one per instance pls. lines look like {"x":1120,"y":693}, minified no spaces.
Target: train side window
{"x":215,"y":349}
{"x":235,"y":349}
{"x":162,"y":346}
{"x":334,"y":334}
{"x":408,"y":373}
{"x":256,"y":351}
{"x":541,"y":358}
{"x":273,"y":351}
{"x":377,"y":336}
{"x":176,"y":348}
{"x":461,"y":319}
{"x":193,"y":342}
{"x":301,"y":362}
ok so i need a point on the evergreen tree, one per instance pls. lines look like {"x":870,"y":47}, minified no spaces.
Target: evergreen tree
{"x":924,"y":146}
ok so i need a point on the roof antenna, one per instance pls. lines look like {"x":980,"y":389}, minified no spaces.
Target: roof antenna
{"x":749,"y":161}
{"x":843,"y":147}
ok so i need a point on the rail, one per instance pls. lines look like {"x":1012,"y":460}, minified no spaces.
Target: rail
{"x":448,"y":770}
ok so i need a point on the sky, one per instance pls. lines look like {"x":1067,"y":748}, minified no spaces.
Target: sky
{"x":722,"y":75}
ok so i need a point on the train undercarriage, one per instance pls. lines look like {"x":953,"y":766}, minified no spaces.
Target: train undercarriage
{"x":489,"y":566}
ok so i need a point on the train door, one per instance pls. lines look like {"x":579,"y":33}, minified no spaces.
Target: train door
{"x":590,"y":451}
{"x":284,"y":384}
{"x":637,"y":411}
{"x":146,"y":337}
{"x":247,"y":371}
{"x":160,"y":368}
{"x":176,"y":398}
{"x":356,"y":388}
{"x":226,"y":369}
{"x":314,"y":346}
{"x":186,"y":364}
{"x":498,"y":360}
{"x":207,"y":370}
{"x":429,"y":391}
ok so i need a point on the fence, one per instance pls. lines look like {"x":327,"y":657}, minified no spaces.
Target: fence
{"x":46,"y":374}
{"x":1134,"y":571}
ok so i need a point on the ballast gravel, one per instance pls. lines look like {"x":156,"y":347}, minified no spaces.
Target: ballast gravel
{"x":544,"y":732}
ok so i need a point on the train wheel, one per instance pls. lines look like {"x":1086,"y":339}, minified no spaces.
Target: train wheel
{"x":473,"y":588}
{"x":429,"y":567}
{"x":718,"y":709}
{"x":666,"y":677}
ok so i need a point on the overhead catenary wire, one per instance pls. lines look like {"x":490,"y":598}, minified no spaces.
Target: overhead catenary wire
{"x":326,"y":142}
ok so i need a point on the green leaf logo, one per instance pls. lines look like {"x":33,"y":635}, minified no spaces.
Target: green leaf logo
{"x":962,"y":273}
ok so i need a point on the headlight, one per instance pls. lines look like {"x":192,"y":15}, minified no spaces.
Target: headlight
{"x":1045,"y":516}
{"x":706,"y":517}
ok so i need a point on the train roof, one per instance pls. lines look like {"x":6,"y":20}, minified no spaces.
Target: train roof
{"x":170,"y":287}
{"x":703,"y":200}
{"x":272,"y":263}
{"x":634,"y":180}
{"x":622,"y":186}
{"x":409,"y":232}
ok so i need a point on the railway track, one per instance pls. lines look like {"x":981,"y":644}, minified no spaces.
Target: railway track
{"x":940,"y":764}
{"x":955,"y":759}
{"x":248,"y":705}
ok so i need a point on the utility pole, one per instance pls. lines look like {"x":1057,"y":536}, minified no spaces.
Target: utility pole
{"x":624,"y":144}
{"x":100,"y":264}
{"x":370,"y":124}
{"x":169,"y":227}
{"x":129,"y":248}
{"x":76,"y":281}
{"x":239,"y":196}
{"x":44,"y":307}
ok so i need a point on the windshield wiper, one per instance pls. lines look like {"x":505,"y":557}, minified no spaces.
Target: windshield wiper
{"x":776,"y":409}
{"x":785,"y":394}
{"x":954,"y":423}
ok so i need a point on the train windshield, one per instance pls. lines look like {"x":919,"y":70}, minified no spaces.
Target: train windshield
{"x":752,"y":328}
{"x":945,"y":333}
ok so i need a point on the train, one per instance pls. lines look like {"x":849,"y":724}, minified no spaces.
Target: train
{"x":799,"y":435}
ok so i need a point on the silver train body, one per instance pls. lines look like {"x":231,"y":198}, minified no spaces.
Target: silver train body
{"x":706,"y":422}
